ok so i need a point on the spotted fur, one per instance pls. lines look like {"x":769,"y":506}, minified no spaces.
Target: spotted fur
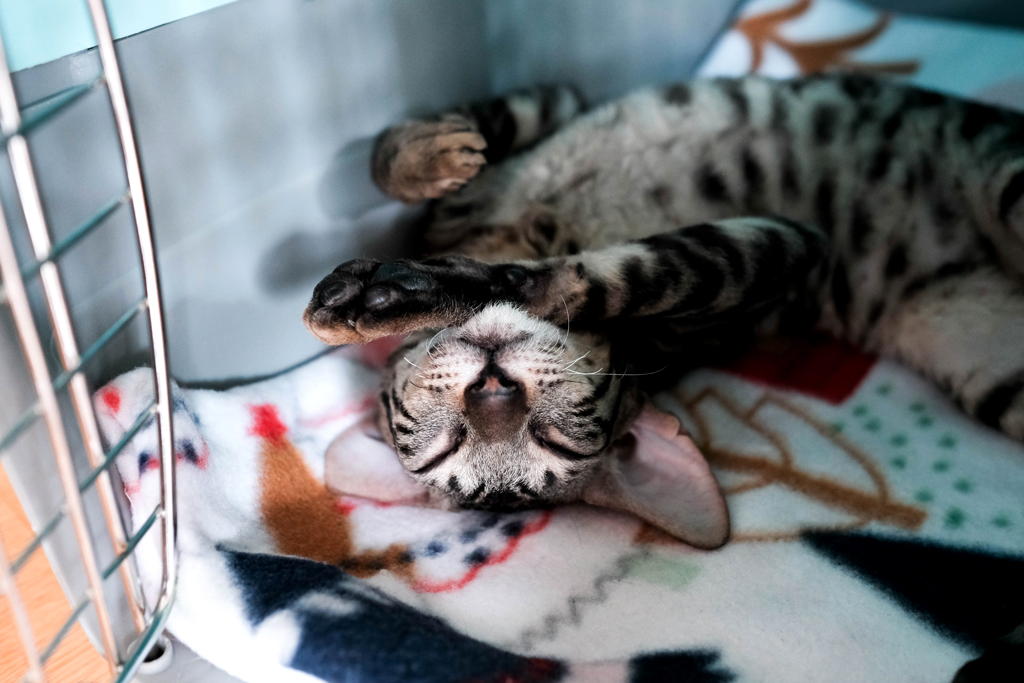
{"x":890,"y":216}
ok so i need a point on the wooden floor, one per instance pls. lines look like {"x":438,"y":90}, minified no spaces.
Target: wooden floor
{"x":75,"y":661}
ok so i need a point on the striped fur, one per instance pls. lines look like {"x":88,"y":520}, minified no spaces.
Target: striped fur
{"x":890,"y":216}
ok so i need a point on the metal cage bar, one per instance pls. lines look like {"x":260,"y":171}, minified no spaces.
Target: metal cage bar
{"x":37,"y":541}
{"x":147,"y":252}
{"x":22,"y":312}
{"x":20,"y":159}
{"x":28,"y":641}
{"x":93,"y":222}
{"x":14,"y":124}
{"x":25,"y":421}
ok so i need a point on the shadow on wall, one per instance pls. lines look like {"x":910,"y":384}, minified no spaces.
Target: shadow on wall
{"x":345,"y":193}
{"x":303,"y":257}
{"x":424,"y":38}
{"x":346,"y":190}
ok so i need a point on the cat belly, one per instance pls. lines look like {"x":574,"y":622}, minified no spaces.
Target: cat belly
{"x":634,"y":169}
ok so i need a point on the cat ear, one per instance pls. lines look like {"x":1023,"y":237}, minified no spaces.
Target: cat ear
{"x":658,"y":474}
{"x":359,"y":463}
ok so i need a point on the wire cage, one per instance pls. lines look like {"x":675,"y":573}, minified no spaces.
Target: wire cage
{"x":58,"y":374}
{"x":260,"y":114}
{"x":256,"y":119}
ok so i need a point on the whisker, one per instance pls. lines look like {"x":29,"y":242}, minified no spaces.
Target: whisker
{"x":595,"y":372}
{"x":576,"y":361}
{"x":615,"y":374}
{"x":567,"y":321}
{"x":430,"y":344}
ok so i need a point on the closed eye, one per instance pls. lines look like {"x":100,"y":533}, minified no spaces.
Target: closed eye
{"x":557,"y":448}
{"x":436,"y":460}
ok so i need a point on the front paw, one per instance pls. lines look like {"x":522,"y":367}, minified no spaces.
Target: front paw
{"x":422,"y":160}
{"x":363,"y":300}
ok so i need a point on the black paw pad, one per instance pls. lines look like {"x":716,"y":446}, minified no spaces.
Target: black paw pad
{"x":334,"y":290}
{"x":515,"y":276}
{"x":380,"y":296}
{"x":358,"y":267}
{"x":401,"y":275}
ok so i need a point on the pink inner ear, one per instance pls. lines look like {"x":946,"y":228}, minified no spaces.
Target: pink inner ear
{"x":359,"y":463}
{"x":665,"y":480}
{"x":661,"y":423}
{"x":673,"y":475}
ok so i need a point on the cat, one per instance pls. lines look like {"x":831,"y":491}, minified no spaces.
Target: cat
{"x":580,"y":260}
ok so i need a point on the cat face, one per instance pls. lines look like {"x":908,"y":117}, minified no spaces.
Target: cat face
{"x":506,"y":410}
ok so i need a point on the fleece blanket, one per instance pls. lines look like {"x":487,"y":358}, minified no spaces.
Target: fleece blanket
{"x":878,"y":534}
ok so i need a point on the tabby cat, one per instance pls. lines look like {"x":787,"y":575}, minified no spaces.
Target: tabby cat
{"x":580,"y":260}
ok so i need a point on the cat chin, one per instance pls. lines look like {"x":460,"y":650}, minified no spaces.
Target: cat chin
{"x":501,"y":324}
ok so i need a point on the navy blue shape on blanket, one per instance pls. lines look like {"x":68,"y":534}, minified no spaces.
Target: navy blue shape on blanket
{"x":351,"y":631}
{"x":698,"y":666}
{"x":973,"y":596}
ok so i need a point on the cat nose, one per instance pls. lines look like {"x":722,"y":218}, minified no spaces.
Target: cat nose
{"x":495,"y":403}
{"x":493,"y":385}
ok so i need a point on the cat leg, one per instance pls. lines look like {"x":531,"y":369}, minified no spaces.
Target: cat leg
{"x":966,"y":332}
{"x":695,"y":276}
{"x":985,"y":150}
{"x":1006,"y":212}
{"x":692,"y":277}
{"x":429,"y":158}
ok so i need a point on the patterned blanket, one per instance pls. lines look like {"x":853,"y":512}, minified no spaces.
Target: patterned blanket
{"x":878,"y":534}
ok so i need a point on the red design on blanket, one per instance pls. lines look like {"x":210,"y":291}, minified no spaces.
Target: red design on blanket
{"x":111,"y":398}
{"x":266,"y":422}
{"x":338,"y":414}
{"x":347,"y":504}
{"x":187,"y":453}
{"x":534,"y":527}
{"x":537,"y":670}
{"x":823,"y":367}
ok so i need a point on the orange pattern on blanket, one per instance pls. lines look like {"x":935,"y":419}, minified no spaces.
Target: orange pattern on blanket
{"x":302,"y":515}
{"x":817,"y":55}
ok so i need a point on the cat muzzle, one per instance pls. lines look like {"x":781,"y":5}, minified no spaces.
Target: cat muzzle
{"x":495,"y":403}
